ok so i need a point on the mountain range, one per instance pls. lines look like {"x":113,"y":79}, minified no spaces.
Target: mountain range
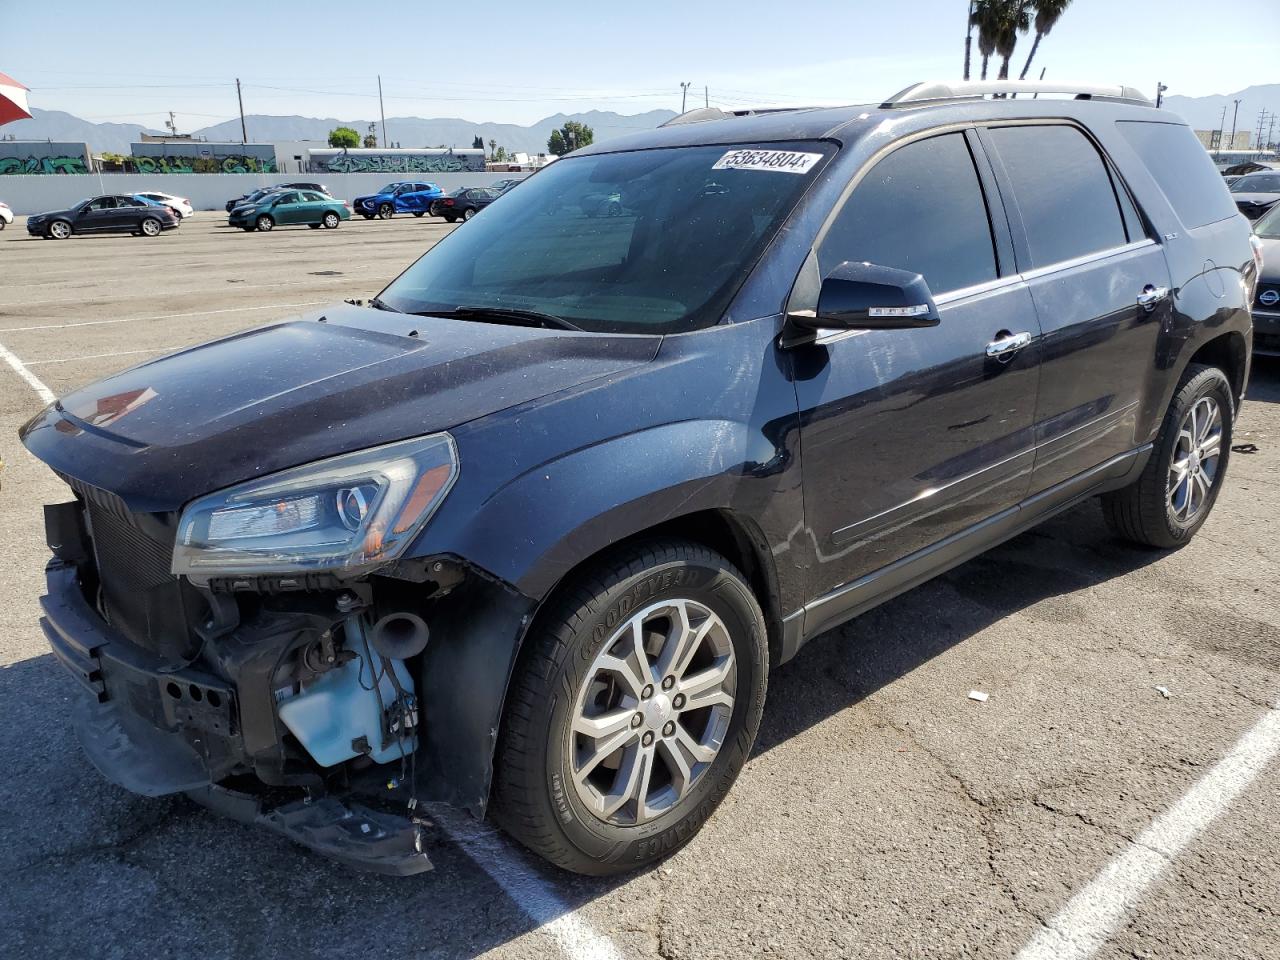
{"x":404,"y":131}
{"x":1203,"y":113}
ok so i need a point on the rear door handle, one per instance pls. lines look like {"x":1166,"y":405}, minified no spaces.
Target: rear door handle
{"x":1151,"y":295}
{"x":1007,"y":343}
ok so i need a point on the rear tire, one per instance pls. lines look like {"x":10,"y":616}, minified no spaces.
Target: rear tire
{"x":1177,"y":489}
{"x":451,"y":217}
{"x":468,"y":213}
{"x":150,"y":227}
{"x":264,"y":224}
{"x":367,"y":216}
{"x":418,"y":213}
{"x":314,"y":226}
{"x":2,"y":224}
{"x":330,"y":221}
{"x":700,"y":631}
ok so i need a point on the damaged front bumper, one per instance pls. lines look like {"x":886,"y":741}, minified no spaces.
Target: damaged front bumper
{"x":157,"y":730}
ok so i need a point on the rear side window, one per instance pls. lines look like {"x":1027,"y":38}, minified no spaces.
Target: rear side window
{"x":920,"y":209}
{"x":1063,"y":191}
{"x":1182,"y":169}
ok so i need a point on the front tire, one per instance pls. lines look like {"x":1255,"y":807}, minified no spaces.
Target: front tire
{"x":386,"y":211}
{"x":418,"y":213}
{"x":59,"y":230}
{"x":1177,"y":489}
{"x":635,"y":705}
{"x":264,"y":224}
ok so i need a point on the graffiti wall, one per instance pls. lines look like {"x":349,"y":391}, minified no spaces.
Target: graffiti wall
{"x":395,"y":161}
{"x":201,"y":157}
{"x":19,"y":157}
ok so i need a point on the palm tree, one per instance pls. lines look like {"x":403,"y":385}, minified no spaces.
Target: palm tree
{"x":985,"y":17}
{"x":1048,"y":12}
{"x":1014,"y":18}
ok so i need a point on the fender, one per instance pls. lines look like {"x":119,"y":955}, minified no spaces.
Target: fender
{"x":526,"y":537}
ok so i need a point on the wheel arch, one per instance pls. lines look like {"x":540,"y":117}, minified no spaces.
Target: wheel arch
{"x":1228,"y":352}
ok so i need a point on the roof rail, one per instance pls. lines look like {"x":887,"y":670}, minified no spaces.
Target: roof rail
{"x":922,"y":93}
{"x":715,"y":113}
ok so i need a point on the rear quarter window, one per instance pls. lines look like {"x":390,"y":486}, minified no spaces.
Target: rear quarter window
{"x":1182,"y":169}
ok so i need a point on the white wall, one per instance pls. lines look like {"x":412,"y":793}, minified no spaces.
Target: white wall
{"x":207,"y":191}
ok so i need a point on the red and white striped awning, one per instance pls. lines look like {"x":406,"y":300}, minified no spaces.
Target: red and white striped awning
{"x":13,"y":100}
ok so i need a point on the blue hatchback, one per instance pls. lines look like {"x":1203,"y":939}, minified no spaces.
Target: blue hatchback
{"x":403,"y":196}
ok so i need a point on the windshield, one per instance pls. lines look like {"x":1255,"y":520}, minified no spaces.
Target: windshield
{"x":1269,"y":226}
{"x":1257,"y":183}
{"x":651,"y":241}
{"x":390,"y":187}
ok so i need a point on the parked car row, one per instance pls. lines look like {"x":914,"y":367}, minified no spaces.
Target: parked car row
{"x":152,"y":212}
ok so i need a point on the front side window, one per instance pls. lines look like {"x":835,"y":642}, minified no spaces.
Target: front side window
{"x":920,"y":209}
{"x":1062,"y":189}
{"x":692,"y":224}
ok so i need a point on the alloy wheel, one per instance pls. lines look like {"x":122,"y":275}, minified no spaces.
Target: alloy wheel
{"x":265,"y":223}
{"x":1196,"y":457}
{"x":151,"y":227}
{"x":60,"y":230}
{"x":652,"y":712}
{"x":468,"y":213}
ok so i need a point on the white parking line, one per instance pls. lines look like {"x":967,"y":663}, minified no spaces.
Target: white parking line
{"x":529,"y":891}
{"x":1080,"y":928}
{"x":164,"y":316}
{"x":133,"y":293}
{"x":99,"y":356}
{"x":21,"y":370}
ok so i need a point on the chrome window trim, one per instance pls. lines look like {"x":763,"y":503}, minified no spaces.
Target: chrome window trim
{"x":1087,"y":258}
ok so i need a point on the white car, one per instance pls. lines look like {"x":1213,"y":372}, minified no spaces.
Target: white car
{"x":181,"y":206}
{"x":6,"y":215}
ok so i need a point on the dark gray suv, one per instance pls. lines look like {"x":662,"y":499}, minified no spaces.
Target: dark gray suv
{"x":534,"y":525}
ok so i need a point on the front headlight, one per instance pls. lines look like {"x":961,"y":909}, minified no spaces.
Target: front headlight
{"x":347,"y":514}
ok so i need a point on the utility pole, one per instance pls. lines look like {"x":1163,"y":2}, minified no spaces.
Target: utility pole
{"x":382,"y":111}
{"x":684,"y":94}
{"x":1222,"y":127}
{"x":1160,"y":89}
{"x":244,"y":135}
{"x":1262,"y":118}
{"x":1234,"y":115}
{"x":706,"y":96}
{"x":1271,"y":126}
{"x":968,"y":41}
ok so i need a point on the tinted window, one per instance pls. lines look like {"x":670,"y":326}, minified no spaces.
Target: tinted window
{"x":103,"y":203}
{"x":920,"y":209}
{"x":1182,"y":169}
{"x":670,"y":261}
{"x":1063,"y":191}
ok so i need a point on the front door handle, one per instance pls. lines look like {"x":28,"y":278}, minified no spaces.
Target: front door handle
{"x":1007,"y":344}
{"x":1151,"y":295}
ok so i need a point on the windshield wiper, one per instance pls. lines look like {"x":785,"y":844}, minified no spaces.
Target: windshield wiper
{"x":529,"y":318}
{"x":379,"y":304}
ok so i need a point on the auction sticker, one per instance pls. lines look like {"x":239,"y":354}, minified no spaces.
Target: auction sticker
{"x":779,"y":161}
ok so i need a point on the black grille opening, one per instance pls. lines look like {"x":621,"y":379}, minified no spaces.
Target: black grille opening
{"x":140,"y":597}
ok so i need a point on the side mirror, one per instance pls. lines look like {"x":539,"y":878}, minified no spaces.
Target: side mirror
{"x":865,"y":296}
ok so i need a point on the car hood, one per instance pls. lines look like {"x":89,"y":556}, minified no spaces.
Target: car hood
{"x":53,"y":213}
{"x":167,"y":431}
{"x":1255,"y":198}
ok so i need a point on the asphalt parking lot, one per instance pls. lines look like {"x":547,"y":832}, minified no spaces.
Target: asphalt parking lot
{"x":883,"y":814}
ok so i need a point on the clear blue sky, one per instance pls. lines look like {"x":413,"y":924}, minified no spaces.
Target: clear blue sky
{"x":520,"y":62}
